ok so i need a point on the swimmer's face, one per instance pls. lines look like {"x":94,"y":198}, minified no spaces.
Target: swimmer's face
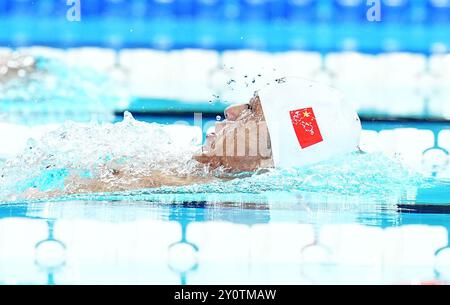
{"x":241,"y":142}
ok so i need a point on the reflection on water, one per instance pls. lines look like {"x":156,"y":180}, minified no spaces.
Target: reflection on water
{"x":248,"y":209}
{"x":279,"y":237}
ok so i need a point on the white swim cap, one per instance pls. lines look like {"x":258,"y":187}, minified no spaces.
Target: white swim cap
{"x":308,"y":122}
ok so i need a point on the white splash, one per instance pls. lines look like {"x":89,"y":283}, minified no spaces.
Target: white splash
{"x":93,"y":148}
{"x":141,"y":148}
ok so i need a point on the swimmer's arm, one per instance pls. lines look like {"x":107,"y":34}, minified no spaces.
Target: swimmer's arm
{"x":126,"y":182}
{"x":118,"y":181}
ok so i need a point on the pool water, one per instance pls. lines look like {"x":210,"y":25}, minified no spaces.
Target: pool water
{"x":364,"y":218}
{"x":266,"y":241}
{"x":378,"y":217}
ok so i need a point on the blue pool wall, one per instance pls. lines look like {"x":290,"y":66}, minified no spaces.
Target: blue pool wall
{"x":273,"y":25}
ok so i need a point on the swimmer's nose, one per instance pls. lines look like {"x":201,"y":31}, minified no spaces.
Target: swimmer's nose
{"x":232,"y":113}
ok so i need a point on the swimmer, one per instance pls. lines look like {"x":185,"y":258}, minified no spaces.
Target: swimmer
{"x":248,"y":116}
{"x":291,"y":123}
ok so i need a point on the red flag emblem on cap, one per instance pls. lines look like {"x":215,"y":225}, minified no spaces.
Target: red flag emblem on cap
{"x":306,"y":127}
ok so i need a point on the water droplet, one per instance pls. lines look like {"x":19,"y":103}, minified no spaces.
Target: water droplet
{"x":218,"y":118}
{"x":31,"y":143}
{"x":3,"y":70}
{"x":21,"y":73}
{"x":13,"y":64}
{"x":127,"y":116}
{"x":28,"y":61}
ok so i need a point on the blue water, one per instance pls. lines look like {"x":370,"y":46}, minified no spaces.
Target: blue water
{"x":73,"y":260}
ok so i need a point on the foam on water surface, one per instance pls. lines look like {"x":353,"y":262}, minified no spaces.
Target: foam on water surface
{"x":95,"y":150}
